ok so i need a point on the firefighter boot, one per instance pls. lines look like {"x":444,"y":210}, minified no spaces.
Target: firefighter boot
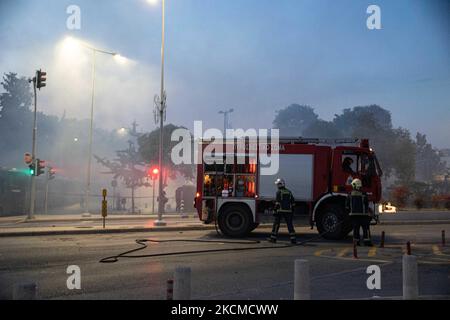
{"x":293,"y":238}
{"x":272,"y":239}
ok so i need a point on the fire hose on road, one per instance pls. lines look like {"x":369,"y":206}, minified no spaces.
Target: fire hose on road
{"x":143,"y":243}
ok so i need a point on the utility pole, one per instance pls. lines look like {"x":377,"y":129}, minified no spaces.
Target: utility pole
{"x":161,"y":110}
{"x":153,"y":200}
{"x":33,"y":153}
{"x":86,"y":212}
{"x":38,"y":82}
{"x":46,"y":192}
{"x":226,"y":124}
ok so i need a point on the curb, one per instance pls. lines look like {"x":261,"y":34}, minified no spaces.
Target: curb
{"x":32,"y":233}
{"x":110,"y":231}
{"x":102,"y":231}
{"x":96,"y":218}
{"x":414,"y":222}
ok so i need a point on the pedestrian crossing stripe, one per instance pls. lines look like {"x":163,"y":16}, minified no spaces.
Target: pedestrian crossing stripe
{"x":436,"y":250}
{"x":318,"y":253}
{"x":343,"y":252}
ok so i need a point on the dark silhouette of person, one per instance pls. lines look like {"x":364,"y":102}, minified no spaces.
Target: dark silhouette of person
{"x":347,"y":165}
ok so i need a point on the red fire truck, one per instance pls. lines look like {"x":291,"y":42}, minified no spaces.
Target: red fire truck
{"x":317,"y":171}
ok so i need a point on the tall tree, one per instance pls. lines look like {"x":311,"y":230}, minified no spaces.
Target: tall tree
{"x":128,"y":167}
{"x":322,"y":129}
{"x":351,"y":117}
{"x":15,"y":117}
{"x":149,"y":149}
{"x":294,"y":119}
{"x":17,"y":96}
{"x":428,"y":161}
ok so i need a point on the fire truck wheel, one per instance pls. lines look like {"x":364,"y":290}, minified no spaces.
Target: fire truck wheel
{"x":332,"y":223}
{"x":253,"y":226}
{"x":235,"y":221}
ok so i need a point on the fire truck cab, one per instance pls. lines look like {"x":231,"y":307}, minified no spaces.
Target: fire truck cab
{"x":317,"y":171}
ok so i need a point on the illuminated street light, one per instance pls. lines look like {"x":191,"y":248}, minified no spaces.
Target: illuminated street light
{"x":71,"y":46}
{"x":122,"y":131}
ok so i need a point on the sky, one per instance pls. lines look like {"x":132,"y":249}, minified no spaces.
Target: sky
{"x":256,"y":56}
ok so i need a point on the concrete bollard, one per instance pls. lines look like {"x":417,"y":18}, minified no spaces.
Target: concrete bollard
{"x":183,"y":214}
{"x":182,"y":283}
{"x":302,"y":290}
{"x":410,"y":278}
{"x":169,"y":292}
{"x":25,"y":291}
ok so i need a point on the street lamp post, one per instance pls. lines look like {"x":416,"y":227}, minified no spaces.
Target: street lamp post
{"x":161,"y":108}
{"x":91,"y":127}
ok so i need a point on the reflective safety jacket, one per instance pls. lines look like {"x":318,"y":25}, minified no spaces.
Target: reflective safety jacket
{"x":357,"y":204}
{"x":284,"y":201}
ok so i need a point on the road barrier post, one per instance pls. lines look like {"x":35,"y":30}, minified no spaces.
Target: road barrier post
{"x":182,"y":283}
{"x":410,"y":279}
{"x":169,"y":293}
{"x":383,"y":235}
{"x":408,"y":248}
{"x":355,"y":250}
{"x":25,"y":291}
{"x":302,"y":290}
{"x":183,"y":214}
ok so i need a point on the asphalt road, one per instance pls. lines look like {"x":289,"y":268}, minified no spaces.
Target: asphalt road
{"x":416,"y":215}
{"x":251,"y":274}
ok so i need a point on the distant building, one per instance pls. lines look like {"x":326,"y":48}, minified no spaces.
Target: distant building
{"x":444,"y":154}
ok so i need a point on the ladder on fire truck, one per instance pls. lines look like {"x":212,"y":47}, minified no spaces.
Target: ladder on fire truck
{"x":327,"y":141}
{"x":301,"y":140}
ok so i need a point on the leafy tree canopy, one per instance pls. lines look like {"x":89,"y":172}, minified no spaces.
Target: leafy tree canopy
{"x":294,"y":119}
{"x":149,"y":149}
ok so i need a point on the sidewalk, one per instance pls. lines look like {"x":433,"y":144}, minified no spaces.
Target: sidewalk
{"x":63,"y":225}
{"x":94,"y":217}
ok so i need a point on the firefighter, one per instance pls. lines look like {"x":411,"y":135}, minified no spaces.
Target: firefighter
{"x":357,"y":205}
{"x":347,"y":165}
{"x":283,"y":208}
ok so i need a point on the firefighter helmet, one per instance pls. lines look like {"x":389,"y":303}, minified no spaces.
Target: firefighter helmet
{"x":356,"y":184}
{"x":280,"y":183}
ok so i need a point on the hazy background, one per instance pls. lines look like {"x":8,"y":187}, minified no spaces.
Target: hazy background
{"x":256,"y":56}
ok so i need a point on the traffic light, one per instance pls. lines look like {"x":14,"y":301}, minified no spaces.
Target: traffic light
{"x":32,"y":169}
{"x":41,"y":77}
{"x":51,"y":173}
{"x":40,"y":167}
{"x":153,"y":173}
